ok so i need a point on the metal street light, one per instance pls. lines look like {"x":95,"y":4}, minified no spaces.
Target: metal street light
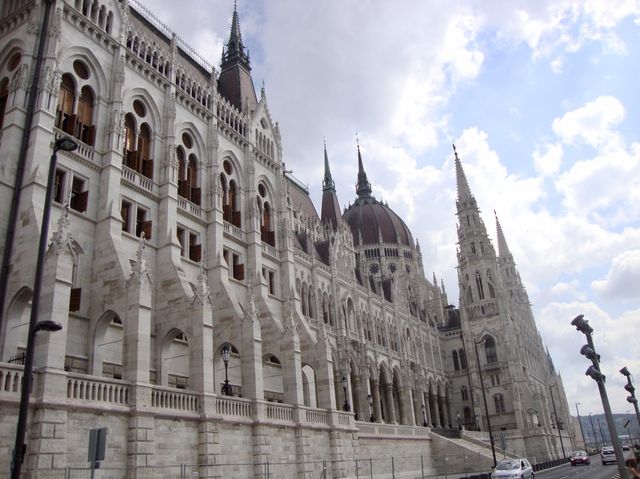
{"x":227,"y":390}
{"x":581,"y":430}
{"x":63,"y":144}
{"x":459,"y":420}
{"x":345,"y":406}
{"x":594,"y":372}
{"x":484,"y":398}
{"x":558,"y":422}
{"x":631,"y":390}
{"x":372,"y":418}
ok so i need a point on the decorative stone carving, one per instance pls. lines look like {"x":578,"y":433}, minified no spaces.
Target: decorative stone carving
{"x":202,"y":293}
{"x":61,"y":241}
{"x":140,"y":272}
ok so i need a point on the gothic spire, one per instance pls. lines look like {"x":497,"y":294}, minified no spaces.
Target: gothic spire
{"x":503,"y":249}
{"x":464,"y":192}
{"x":327,"y":182}
{"x":363,"y":188}
{"x":235,"y":82}
{"x":330,"y":211}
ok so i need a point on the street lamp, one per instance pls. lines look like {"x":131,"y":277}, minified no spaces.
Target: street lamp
{"x":594,"y":372}
{"x":227,"y":390}
{"x":345,"y":406}
{"x":558,"y":422}
{"x":64,"y":144}
{"x":580,"y":423}
{"x":629,"y":387}
{"x":484,"y":398}
{"x":372,"y":418}
{"x":424,"y":415}
{"x":459,"y":420}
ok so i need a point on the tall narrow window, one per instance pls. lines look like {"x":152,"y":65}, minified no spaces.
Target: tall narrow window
{"x":130,"y":154}
{"x":4,"y":97}
{"x":79,"y":194}
{"x":144,"y":151}
{"x":490,"y":350}
{"x":463,"y":359}
{"x":65,"y":119}
{"x":456,"y":364}
{"x":84,"y":130}
{"x":479,"y":286}
{"x":192,"y":179}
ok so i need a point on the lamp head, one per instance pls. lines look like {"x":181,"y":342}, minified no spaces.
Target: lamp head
{"x":595,"y":374}
{"x":48,"y":325}
{"x":629,"y":387}
{"x":344,"y":381}
{"x":632,"y":400}
{"x":226,"y":351}
{"x":625,"y":372}
{"x":581,"y":324}
{"x":65,"y":143}
{"x":369,"y":399}
{"x":588,"y":351}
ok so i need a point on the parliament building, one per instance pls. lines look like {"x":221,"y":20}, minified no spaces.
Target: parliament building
{"x":214,"y":320}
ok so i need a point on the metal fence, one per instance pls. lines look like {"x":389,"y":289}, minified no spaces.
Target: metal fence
{"x":470,"y":465}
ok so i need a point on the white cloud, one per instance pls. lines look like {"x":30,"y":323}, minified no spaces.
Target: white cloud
{"x":548,"y":162}
{"x":623,"y":279}
{"x":592,"y":123}
{"x":569,"y":290}
{"x":606,"y":188}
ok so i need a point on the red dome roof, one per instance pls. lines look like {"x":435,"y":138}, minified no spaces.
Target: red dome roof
{"x":367,"y":216}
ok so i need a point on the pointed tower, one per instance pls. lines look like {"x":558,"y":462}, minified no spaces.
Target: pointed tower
{"x":235,"y":82}
{"x":363,"y":187}
{"x":330,"y":205}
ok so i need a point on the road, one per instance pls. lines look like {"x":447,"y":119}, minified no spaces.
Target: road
{"x":595,"y":471}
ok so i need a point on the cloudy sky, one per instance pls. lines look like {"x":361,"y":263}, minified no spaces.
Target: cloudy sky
{"x":541,"y":101}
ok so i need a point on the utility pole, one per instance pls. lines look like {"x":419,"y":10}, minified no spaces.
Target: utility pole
{"x":581,"y":430}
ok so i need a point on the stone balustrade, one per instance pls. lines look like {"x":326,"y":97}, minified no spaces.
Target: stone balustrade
{"x":91,"y":388}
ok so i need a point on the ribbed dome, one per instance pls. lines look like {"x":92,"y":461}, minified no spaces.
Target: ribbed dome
{"x":367,"y":216}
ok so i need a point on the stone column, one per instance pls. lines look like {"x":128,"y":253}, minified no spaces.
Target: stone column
{"x":377,"y":410}
{"x":427,"y":407}
{"x":324,"y":372}
{"x":436,"y":407}
{"x":391,"y":410}
{"x":417,"y":408}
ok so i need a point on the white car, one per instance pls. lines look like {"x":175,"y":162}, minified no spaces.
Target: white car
{"x":519,"y":468}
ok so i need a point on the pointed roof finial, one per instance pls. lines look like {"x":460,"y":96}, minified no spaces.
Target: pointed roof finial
{"x":327,"y":182}
{"x":363,"y":187}
{"x":235,"y":51}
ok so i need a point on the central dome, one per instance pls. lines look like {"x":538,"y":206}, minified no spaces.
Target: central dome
{"x":370,"y":220}
{"x":373,"y":222}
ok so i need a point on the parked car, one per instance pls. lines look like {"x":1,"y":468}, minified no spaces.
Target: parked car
{"x":514,"y":468}
{"x":579,"y":457}
{"x":607,"y":455}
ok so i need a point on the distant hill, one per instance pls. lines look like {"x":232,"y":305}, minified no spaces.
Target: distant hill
{"x":596,"y":431}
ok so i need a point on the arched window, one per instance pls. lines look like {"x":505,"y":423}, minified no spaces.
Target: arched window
{"x":4,"y":96}
{"x":490,"y":350}
{"x":66,"y":101}
{"x":463,"y":359}
{"x":188,"y":186}
{"x":137,"y":149}
{"x":85,"y":131}
{"x":232,"y":202}
{"x":498,"y":401}
{"x":456,"y":364}
{"x":464,"y":393}
{"x":144,"y":151}
{"x":479,"y":286}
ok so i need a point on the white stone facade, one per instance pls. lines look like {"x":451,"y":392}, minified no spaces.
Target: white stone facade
{"x":181,"y":234}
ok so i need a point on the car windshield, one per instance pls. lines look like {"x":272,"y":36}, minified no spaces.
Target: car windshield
{"x":579,"y":453}
{"x":507,"y":465}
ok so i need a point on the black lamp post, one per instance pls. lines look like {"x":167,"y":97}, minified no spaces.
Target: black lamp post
{"x":424,"y":415}
{"x":629,"y":387}
{"x":558,"y":421}
{"x":372,"y":418}
{"x":484,"y":398}
{"x":227,"y":390}
{"x":459,"y":420}
{"x":589,"y":351}
{"x":64,"y":144}
{"x":580,"y":423}
{"x":345,"y":406}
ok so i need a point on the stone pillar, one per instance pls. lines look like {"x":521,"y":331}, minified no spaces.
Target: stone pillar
{"x":427,"y":407}
{"x":140,"y":444}
{"x":261,"y":450}
{"x":292,"y":363}
{"x":377,"y":410}
{"x":417,"y":408}
{"x":47,"y":445}
{"x":209,"y":453}
{"x":251,"y":354}
{"x":436,"y":410}
{"x":324,"y":372}
{"x":391,"y":410}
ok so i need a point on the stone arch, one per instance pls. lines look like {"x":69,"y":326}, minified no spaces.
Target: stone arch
{"x":107,"y":351}
{"x":17,"y":324}
{"x":173,"y":360}
{"x":143,"y":95}
{"x":69,"y":55}
{"x":309,"y":386}
{"x":272,"y":378}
